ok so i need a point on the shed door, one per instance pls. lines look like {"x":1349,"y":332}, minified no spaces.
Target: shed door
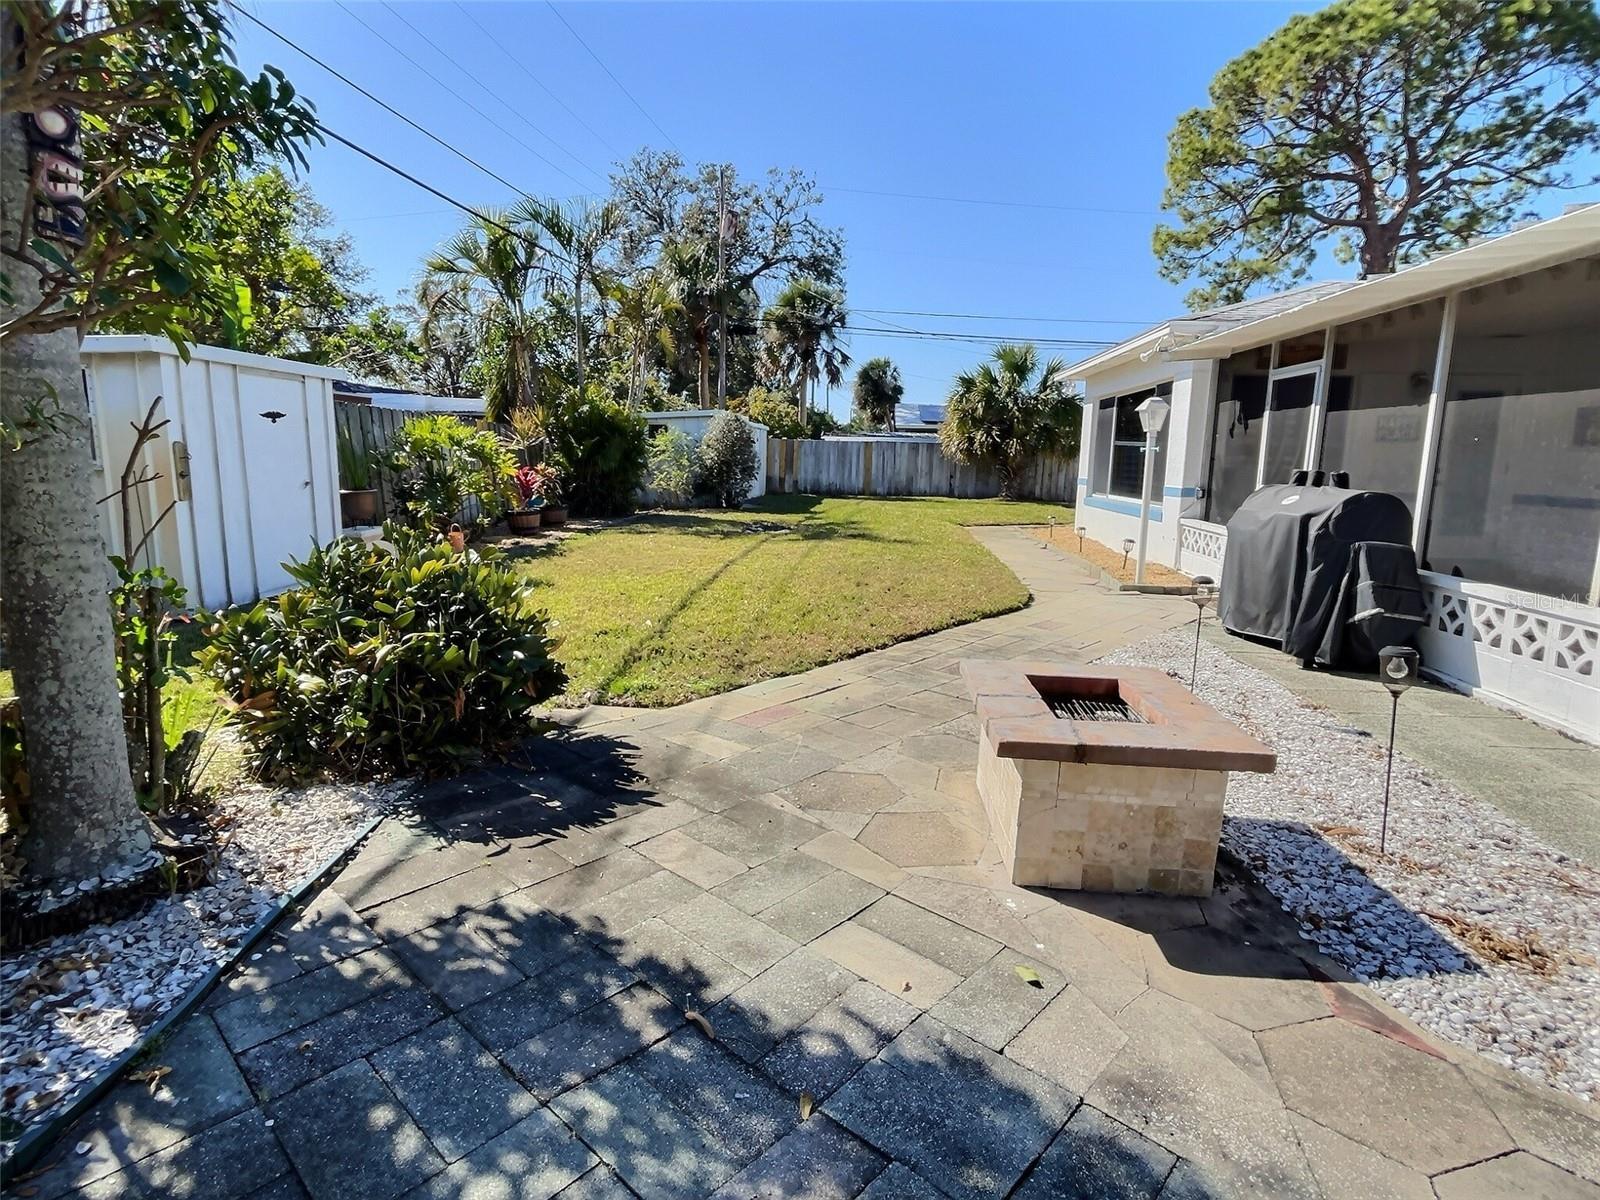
{"x":277,"y":463}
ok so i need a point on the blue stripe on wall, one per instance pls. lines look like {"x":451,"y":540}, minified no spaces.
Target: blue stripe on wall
{"x":1128,"y":508}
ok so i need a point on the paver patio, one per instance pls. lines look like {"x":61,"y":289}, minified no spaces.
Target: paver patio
{"x":508,"y":992}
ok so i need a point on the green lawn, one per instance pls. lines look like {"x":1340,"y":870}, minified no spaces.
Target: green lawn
{"x":679,"y":605}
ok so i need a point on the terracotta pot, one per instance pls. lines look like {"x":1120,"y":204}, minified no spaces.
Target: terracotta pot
{"x":524,"y":520}
{"x":359,"y":506}
{"x":457,"y":538}
{"x":555,"y":514}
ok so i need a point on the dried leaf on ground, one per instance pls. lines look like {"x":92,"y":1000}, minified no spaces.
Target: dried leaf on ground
{"x":1028,"y":975}
{"x":808,"y":1105}
{"x":699,"y":1021}
{"x":153,"y":1077}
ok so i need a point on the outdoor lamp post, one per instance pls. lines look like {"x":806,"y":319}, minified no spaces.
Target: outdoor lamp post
{"x":1397,"y":670}
{"x":1205,"y":591}
{"x":1152,"y":415}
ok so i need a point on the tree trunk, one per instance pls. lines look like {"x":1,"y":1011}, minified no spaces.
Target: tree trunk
{"x":53,"y":578}
{"x":702,"y":345}
{"x":1008,"y":471}
{"x":577,"y":317}
{"x":1380,"y":251}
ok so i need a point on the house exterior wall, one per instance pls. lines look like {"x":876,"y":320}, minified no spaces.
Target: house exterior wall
{"x":258,"y":490}
{"x":1110,"y":519}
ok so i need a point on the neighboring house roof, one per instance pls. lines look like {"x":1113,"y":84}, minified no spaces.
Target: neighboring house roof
{"x":402,"y":399}
{"x":1224,"y":331}
{"x":911,"y":415}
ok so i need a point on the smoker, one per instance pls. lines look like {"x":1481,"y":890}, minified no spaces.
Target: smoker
{"x":1290,"y":547}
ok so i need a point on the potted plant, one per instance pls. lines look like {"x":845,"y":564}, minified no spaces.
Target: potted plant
{"x":358,"y":498}
{"x":527,"y":518}
{"x":555,"y":505}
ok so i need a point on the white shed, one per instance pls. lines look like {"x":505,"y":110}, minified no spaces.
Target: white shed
{"x":249,"y":457}
{"x":696,"y":422}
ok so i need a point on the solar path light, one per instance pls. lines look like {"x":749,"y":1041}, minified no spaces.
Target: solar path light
{"x":1397,"y":670}
{"x":1127,"y":549}
{"x":1205,"y":591}
{"x":1081,"y":531}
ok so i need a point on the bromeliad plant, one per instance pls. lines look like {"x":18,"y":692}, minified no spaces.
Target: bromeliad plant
{"x":386,"y":662}
{"x":540,"y":485}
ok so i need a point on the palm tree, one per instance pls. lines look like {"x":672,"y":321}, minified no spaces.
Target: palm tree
{"x":449,"y":333}
{"x":581,"y":230}
{"x":646,"y":311}
{"x":504,"y":264}
{"x":802,"y":332}
{"x":1005,"y":410}
{"x":692,"y":265}
{"x":878,"y":389}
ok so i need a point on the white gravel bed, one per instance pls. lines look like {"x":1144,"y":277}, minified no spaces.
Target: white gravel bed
{"x":72,"y":1005}
{"x":1470,"y":924}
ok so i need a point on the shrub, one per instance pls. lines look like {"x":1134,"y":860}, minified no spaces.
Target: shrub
{"x":598,"y":446}
{"x":672,"y":466}
{"x":725,"y":461}
{"x":439,"y":464}
{"x":775,"y":410}
{"x":382,"y":661}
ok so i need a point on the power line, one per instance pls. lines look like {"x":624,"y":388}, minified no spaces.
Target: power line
{"x":479,"y":215}
{"x":501,"y":100}
{"x":934,"y":335}
{"x":908,"y":312}
{"x":620,"y":85}
{"x":387,"y":107}
{"x":495,"y":41}
{"x":554,"y":166}
{"x":1074,"y":208}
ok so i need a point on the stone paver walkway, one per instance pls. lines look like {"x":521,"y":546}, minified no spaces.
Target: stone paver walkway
{"x":615,"y":969}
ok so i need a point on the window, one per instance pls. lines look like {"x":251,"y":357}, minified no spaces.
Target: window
{"x":1236,"y":436}
{"x":1118,"y":449}
{"x":1516,"y":494}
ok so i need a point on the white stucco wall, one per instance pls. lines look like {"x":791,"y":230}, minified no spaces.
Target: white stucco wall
{"x":1110,"y":519}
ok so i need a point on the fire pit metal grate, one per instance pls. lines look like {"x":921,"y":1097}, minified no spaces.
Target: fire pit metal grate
{"x":1093,"y":708}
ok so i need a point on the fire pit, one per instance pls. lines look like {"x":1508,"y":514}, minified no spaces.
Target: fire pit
{"x":1104,"y":779}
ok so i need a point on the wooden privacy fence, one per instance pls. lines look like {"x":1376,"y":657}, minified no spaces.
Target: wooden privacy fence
{"x":369,"y":429}
{"x":884,"y":467}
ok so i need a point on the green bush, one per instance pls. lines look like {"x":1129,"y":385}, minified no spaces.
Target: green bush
{"x":599,"y":447}
{"x":439,"y":464}
{"x":725,"y":460}
{"x":385,"y":662}
{"x":672,"y":466}
{"x":775,"y":410}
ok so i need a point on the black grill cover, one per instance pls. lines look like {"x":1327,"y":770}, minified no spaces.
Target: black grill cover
{"x":1288,"y":550}
{"x":1379,"y":604}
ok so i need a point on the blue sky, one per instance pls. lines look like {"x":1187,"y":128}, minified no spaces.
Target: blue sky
{"x":1062,"y":106}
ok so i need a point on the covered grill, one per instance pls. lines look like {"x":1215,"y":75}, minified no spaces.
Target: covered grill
{"x":1289,"y":547}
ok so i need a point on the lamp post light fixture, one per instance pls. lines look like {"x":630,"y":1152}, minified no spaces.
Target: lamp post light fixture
{"x":1397,"y":671}
{"x":1152,"y":415}
{"x":1205,"y":591}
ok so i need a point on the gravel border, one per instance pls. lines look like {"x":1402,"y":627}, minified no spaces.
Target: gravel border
{"x":74,"y":1007}
{"x":1470,"y":924}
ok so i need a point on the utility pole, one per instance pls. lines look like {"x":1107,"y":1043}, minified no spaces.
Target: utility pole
{"x":722,"y":292}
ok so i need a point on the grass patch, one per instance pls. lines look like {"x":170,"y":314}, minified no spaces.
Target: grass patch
{"x":673,"y":606}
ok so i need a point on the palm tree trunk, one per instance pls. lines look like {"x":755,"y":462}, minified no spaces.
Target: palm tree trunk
{"x":53,"y":575}
{"x":702,"y":344}
{"x":577,"y":322}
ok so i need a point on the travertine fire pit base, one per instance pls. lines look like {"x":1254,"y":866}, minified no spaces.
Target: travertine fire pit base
{"x":1123,"y":794}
